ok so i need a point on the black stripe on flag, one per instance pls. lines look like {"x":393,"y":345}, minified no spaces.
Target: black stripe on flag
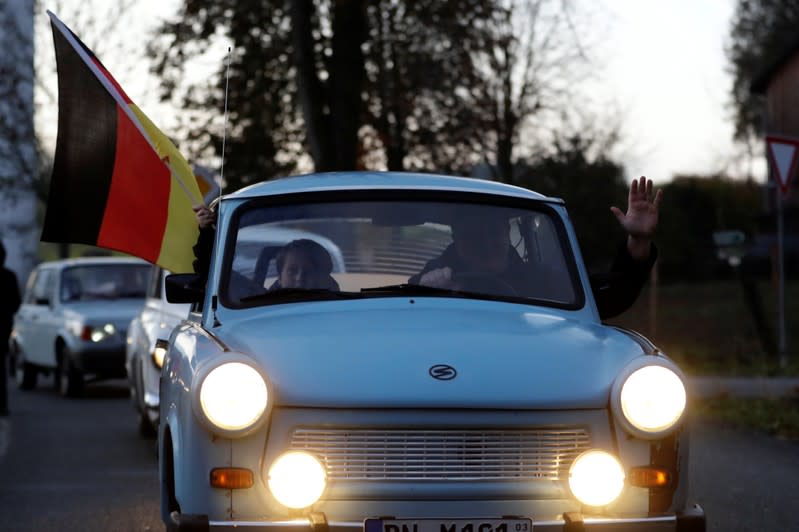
{"x":85,"y":151}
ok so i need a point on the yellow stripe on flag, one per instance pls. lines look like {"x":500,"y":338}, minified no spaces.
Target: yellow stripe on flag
{"x":181,"y":231}
{"x":171,"y":156}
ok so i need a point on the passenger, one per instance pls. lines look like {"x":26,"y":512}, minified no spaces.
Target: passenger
{"x":484,"y":246}
{"x":304,"y":263}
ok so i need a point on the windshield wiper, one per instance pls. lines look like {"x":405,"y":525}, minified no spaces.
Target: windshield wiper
{"x":413,"y":289}
{"x":299,"y":293}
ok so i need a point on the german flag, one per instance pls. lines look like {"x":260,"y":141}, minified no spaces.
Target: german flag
{"x":118,"y":182}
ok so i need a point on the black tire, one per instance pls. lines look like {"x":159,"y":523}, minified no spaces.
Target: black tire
{"x":70,"y":379}
{"x":146,"y":429}
{"x":144,"y":425}
{"x":25,"y":373}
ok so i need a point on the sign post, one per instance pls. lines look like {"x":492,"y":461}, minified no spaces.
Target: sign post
{"x":783,"y":153}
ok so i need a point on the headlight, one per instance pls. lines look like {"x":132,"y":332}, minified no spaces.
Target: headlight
{"x":94,"y":333}
{"x":159,"y":353}
{"x":297,"y":479}
{"x":649,"y":399}
{"x":596,"y":478}
{"x":232,"y":398}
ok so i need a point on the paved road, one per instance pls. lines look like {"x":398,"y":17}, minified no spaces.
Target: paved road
{"x":744,"y":481}
{"x":76,"y":464}
{"x":79,"y":465}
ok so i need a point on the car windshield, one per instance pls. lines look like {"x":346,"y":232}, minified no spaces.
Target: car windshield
{"x":383,"y":248}
{"x":104,"y":281}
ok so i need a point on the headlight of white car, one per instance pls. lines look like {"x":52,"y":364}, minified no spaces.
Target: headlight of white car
{"x":159,"y":353}
{"x":232,"y":396}
{"x":99,"y":333}
{"x":297,"y":479}
{"x":648,"y":397}
{"x":94,"y":333}
{"x":596,"y":478}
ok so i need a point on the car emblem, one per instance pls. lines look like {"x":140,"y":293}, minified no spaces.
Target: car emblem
{"x":443,"y":372}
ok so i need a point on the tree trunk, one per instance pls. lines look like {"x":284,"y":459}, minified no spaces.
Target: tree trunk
{"x":311,"y":91}
{"x":346,"y":84}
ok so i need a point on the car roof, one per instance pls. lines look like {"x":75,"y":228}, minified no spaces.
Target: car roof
{"x":331,"y":181}
{"x":91,"y":261}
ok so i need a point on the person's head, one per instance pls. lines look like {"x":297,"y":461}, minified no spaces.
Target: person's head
{"x":482,"y":242}
{"x":303,"y":264}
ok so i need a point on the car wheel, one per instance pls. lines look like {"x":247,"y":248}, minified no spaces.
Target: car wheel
{"x":70,"y":379}
{"x":25,"y":373}
{"x":12,"y":364}
{"x":57,"y":377}
{"x":146,"y":429}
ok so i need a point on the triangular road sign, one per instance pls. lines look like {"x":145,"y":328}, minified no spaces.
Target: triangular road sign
{"x":783,"y":152}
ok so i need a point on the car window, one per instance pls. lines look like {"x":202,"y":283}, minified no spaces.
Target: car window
{"x":41,"y":290}
{"x":360,"y":247}
{"x":155,"y":282}
{"x":104,"y":281}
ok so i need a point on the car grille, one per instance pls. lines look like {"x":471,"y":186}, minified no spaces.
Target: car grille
{"x":518,"y":455}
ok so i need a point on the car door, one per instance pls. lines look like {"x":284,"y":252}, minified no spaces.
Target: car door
{"x":25,"y":315}
{"x":39,"y":342}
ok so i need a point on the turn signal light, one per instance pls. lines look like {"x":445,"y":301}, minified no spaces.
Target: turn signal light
{"x":231,"y":478}
{"x":649,"y":477}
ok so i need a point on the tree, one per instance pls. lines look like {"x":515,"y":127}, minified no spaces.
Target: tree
{"x":348,"y":83}
{"x":535,"y":55}
{"x":760,"y":34}
{"x":18,"y":146}
{"x":404,"y":85}
{"x":577,"y":169}
{"x":694,"y":207}
{"x":420,"y":71}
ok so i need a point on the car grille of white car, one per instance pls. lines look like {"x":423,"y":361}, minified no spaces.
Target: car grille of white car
{"x":411,"y":454}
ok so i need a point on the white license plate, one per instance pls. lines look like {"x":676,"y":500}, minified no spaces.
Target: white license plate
{"x":448,"y":525}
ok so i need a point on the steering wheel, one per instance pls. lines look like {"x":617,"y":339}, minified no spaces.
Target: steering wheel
{"x":483,"y":282}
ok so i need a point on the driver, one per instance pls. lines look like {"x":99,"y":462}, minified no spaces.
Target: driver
{"x":482,"y":246}
{"x":479,"y":246}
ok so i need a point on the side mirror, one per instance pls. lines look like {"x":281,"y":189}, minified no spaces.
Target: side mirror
{"x":184,"y":288}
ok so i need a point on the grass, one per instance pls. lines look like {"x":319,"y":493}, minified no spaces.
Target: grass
{"x":776,"y":417}
{"x":709,"y":329}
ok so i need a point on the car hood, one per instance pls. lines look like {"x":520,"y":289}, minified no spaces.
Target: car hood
{"x":116,"y":311}
{"x":518,"y":358}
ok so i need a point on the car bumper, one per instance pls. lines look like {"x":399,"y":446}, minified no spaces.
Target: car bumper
{"x":101,"y":360}
{"x":689,"y":520}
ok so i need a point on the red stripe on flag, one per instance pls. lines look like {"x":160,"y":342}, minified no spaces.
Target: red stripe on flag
{"x":111,"y":79}
{"x":138,"y":202}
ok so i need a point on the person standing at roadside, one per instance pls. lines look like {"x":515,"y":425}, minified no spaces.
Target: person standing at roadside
{"x":9,"y":303}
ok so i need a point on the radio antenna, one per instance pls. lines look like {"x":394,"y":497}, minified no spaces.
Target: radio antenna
{"x":224,"y":130}
{"x":221,"y":177}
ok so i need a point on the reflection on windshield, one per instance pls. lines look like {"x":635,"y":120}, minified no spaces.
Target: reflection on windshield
{"x":378,"y":248}
{"x":104,"y":281}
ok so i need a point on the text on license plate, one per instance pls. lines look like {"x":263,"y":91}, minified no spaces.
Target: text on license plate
{"x":448,"y":525}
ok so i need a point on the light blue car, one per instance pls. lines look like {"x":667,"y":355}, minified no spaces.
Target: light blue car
{"x":406,"y":392}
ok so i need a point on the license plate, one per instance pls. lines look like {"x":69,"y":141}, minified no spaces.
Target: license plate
{"x":448,"y":525}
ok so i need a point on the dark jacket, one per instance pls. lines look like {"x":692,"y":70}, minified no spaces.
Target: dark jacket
{"x":202,"y":252}
{"x":614,"y":291}
{"x":9,"y":304}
